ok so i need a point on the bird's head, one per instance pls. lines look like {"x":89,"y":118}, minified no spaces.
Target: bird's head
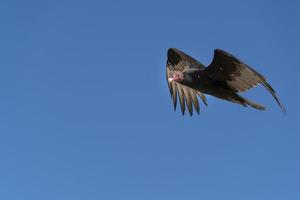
{"x":176,"y":76}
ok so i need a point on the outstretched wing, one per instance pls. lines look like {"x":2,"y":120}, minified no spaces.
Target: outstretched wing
{"x":239,"y":76}
{"x":179,"y":61}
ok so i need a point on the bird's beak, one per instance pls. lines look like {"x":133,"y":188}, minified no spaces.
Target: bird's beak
{"x":170,"y":80}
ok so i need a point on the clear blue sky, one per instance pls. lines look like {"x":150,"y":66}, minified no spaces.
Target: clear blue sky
{"x":86,"y":113}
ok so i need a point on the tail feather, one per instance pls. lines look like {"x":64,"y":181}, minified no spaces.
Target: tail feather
{"x":252,"y":104}
{"x":234,"y":97}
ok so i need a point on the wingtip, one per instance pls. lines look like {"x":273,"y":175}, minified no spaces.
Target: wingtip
{"x":283,"y":110}
{"x":273,"y":93}
{"x":171,"y":50}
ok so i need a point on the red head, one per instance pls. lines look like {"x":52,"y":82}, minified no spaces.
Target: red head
{"x":177,"y":76}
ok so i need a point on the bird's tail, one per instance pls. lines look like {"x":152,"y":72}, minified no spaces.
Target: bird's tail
{"x":245,"y":102}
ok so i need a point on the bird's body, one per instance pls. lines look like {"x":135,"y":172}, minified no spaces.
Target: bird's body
{"x":201,"y":81}
{"x":224,"y":78}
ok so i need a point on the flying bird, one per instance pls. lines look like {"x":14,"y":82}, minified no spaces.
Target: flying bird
{"x":224,"y":78}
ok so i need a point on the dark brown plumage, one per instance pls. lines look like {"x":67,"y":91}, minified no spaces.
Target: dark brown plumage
{"x":224,"y":78}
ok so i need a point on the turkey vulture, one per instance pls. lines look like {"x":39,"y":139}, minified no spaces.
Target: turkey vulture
{"x":224,"y":78}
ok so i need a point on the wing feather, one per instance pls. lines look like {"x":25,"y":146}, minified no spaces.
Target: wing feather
{"x":181,"y":99}
{"x":188,"y":100}
{"x":174,"y":95}
{"x":239,"y":76}
{"x":193,"y":95}
{"x":179,"y":61}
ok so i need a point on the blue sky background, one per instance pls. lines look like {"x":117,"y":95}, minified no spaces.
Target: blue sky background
{"x":86,"y":113}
